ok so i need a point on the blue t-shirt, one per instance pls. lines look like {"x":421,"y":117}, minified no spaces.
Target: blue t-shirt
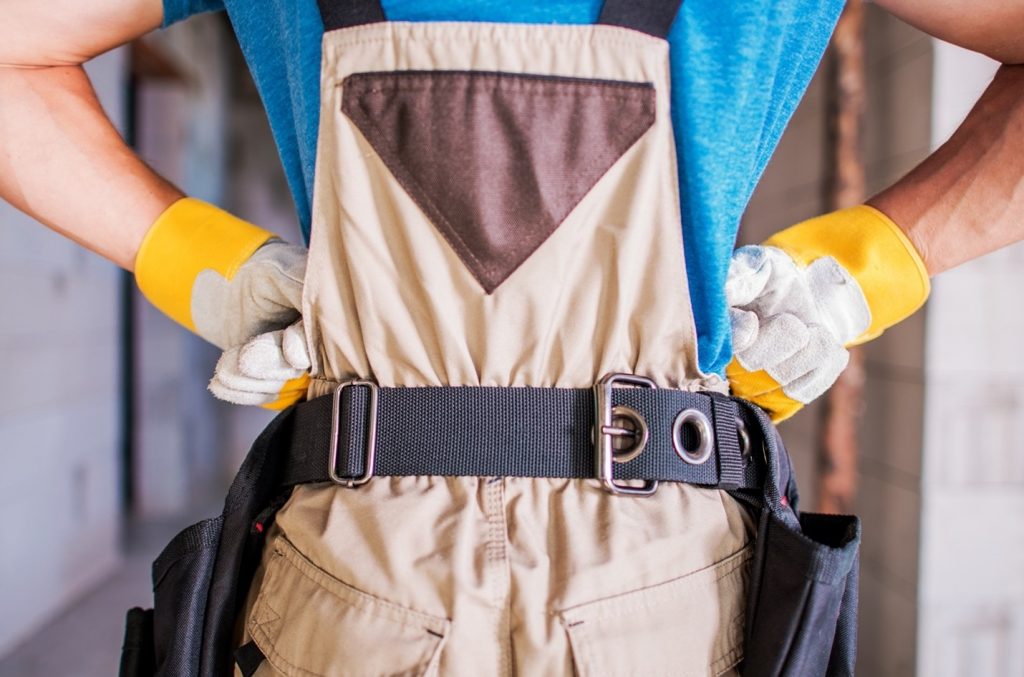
{"x":738,"y":71}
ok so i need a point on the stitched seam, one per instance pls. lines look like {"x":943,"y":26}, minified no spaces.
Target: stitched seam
{"x":584,"y":647}
{"x":506,"y":565}
{"x":447,"y":229}
{"x":494,"y":80}
{"x":579,"y":92}
{"x":273,"y":655}
{"x":588,"y":648}
{"x":570,"y":36}
{"x":735,"y":652}
{"x":267,"y":646}
{"x":538,"y":84}
{"x":721,"y":570}
{"x":414,"y":191}
{"x":727,"y":660}
{"x":496,"y":561}
{"x":360,"y":600}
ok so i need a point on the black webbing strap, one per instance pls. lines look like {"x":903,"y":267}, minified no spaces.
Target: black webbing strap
{"x":346,"y":13}
{"x":730,"y":454}
{"x":508,"y":432}
{"x":653,"y":17}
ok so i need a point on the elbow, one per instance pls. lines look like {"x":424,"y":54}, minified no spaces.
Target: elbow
{"x":20,"y":51}
{"x":996,"y":44}
{"x":1009,"y":54}
{"x":31,"y":61}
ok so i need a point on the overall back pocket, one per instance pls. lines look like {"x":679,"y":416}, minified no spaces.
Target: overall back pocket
{"x":306,"y":622}
{"x":687,"y":626}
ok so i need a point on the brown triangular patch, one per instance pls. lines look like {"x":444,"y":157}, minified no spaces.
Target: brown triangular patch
{"x":496,"y":160}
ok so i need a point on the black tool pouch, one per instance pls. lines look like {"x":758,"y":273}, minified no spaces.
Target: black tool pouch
{"x":137,"y":652}
{"x":182,"y":576}
{"x":801,"y":615}
{"x":200,"y":578}
{"x":802,"y":597}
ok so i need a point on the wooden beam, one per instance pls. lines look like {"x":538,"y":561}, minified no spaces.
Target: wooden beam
{"x":837,"y":446}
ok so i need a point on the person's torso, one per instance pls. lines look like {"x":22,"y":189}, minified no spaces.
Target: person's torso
{"x":737,"y":72}
{"x":497,"y":204}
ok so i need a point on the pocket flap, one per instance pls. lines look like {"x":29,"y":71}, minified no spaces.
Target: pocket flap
{"x":307,"y":622}
{"x":692,"y":625}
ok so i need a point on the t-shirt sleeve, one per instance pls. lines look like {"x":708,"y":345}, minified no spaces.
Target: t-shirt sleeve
{"x":176,"y":10}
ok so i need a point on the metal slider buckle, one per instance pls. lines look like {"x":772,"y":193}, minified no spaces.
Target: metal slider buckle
{"x":604,"y":431}
{"x":369,"y":451}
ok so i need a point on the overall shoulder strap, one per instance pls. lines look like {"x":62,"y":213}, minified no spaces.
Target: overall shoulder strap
{"x":653,"y":17}
{"x":346,"y":13}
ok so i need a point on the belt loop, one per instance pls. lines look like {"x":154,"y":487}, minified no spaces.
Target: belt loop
{"x":727,"y":439}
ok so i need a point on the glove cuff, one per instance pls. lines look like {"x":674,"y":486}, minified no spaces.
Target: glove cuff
{"x":874,"y":250}
{"x":188,"y":237}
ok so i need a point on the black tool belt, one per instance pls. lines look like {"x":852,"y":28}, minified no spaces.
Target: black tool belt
{"x":624,"y":432}
{"x":624,"y":428}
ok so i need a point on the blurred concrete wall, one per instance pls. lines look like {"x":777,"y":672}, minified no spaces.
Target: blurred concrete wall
{"x":59,"y":492}
{"x":971,"y":612}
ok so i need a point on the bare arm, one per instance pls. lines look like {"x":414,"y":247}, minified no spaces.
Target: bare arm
{"x":967,"y":198}
{"x":992,"y":27}
{"x":61,"y":160}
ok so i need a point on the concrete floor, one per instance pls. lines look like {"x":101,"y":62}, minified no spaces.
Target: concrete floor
{"x":85,"y":640}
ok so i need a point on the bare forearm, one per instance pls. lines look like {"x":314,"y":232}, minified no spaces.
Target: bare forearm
{"x":991,"y":27}
{"x":967,"y":198}
{"x":62,"y":162}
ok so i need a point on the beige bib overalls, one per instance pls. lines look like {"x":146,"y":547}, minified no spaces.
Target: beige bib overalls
{"x":497,"y":204}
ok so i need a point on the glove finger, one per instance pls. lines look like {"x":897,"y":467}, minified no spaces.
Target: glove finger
{"x":239,"y":396}
{"x":229,"y":375}
{"x":749,"y":272}
{"x":786,"y":292}
{"x":262,"y":357}
{"x":814,"y":383}
{"x":293,"y":347}
{"x":744,"y":328}
{"x":779,"y":338}
{"x":821,"y":354}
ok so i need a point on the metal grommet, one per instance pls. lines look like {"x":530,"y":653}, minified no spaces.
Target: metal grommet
{"x":701,"y":424}
{"x":629,"y":427}
{"x":744,"y":435}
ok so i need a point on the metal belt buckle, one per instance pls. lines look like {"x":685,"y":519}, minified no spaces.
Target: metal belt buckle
{"x":605,"y":430}
{"x":370,"y":450}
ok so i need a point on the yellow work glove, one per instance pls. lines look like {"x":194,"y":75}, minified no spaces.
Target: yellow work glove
{"x":800,"y":299}
{"x":238,"y":287}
